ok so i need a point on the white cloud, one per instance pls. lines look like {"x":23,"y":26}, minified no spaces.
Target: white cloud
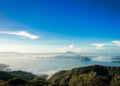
{"x":101,"y":45}
{"x":98,"y":46}
{"x":23,"y":34}
{"x":116,"y":42}
{"x":71,"y":47}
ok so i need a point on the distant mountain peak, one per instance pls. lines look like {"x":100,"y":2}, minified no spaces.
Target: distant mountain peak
{"x":70,"y":52}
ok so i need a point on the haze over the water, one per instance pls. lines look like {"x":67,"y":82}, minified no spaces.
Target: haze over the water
{"x":50,"y":63}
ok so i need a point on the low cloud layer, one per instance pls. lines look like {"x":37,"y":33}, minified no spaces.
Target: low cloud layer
{"x":70,"y":47}
{"x":116,"y":42}
{"x":22,"y":34}
{"x":98,"y":47}
{"x":101,"y":45}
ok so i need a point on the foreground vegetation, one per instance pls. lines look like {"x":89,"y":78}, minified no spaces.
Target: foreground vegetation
{"x":84,"y":76}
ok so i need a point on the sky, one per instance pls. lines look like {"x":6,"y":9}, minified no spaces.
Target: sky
{"x":39,"y":26}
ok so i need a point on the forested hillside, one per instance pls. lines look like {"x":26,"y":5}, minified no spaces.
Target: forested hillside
{"x":88,"y":76}
{"x":95,"y":75}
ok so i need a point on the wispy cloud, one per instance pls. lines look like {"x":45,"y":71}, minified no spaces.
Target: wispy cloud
{"x":70,"y":47}
{"x":116,"y":42}
{"x":98,"y":45}
{"x":22,"y":34}
{"x":101,"y":45}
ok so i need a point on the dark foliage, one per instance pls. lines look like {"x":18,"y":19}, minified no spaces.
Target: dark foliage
{"x":84,"y":76}
{"x":87,"y":76}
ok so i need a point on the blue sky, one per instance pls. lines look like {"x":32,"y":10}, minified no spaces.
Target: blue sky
{"x":59,"y":25}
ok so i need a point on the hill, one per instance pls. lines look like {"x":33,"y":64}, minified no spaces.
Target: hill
{"x":95,"y":75}
{"x":88,"y":76}
{"x":70,"y":52}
